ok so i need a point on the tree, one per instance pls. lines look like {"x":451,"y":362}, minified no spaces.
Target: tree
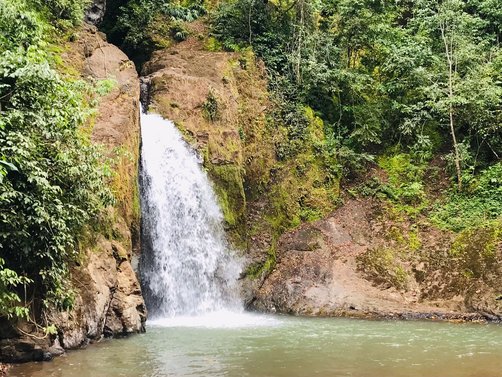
{"x":449,"y":16}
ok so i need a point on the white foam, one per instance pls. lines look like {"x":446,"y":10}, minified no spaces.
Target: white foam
{"x":221,"y":319}
{"x":187,"y":267}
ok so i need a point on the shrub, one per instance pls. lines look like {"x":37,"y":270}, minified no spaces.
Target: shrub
{"x":9,"y":300}
{"x":62,"y":10}
{"x":404,"y":177}
{"x":480,"y":202}
{"x":211,"y":107}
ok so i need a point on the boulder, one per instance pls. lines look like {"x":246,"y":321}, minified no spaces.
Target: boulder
{"x":96,"y":12}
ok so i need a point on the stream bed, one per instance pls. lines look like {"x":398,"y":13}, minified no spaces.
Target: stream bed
{"x":239,"y":345}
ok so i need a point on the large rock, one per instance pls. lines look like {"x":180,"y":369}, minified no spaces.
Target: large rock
{"x":96,"y":12}
{"x":218,"y":100}
{"x":109,"y":300}
{"x":197,"y":90}
{"x":358,"y":263}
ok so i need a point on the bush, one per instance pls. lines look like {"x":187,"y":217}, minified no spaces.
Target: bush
{"x":405,"y":178}
{"x":210,"y":107}
{"x":480,"y":202}
{"x":71,"y":11}
{"x":10,"y":301}
{"x":16,"y":31}
{"x":179,"y":32}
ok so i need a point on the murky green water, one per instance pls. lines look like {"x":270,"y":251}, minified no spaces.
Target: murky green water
{"x":289,"y":347}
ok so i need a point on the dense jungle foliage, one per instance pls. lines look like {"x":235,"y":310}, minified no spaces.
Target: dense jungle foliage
{"x":420,"y":78}
{"x":51,"y":177}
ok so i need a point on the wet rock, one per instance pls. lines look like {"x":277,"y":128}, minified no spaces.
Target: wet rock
{"x":306,"y":239}
{"x":22,"y":350}
{"x":4,"y":368}
{"x":145,"y":93}
{"x":127,"y":312}
{"x":56,"y":349}
{"x":96,"y":12}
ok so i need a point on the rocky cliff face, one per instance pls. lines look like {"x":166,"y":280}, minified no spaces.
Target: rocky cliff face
{"x":360,"y":262}
{"x":108,"y":298}
{"x":220,"y":102}
{"x":96,"y":12}
{"x":110,"y":301}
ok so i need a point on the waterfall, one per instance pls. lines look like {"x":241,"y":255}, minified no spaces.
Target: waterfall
{"x":186,"y":267}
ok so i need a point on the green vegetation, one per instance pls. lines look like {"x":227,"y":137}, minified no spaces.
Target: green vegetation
{"x":404,"y":186}
{"x":422,"y":75}
{"x":405,"y":179}
{"x":210,"y":107}
{"x":307,"y":181}
{"x":479,"y":202}
{"x":141,"y":26}
{"x":10,"y":303}
{"x":382,"y":265}
{"x":475,"y":250}
{"x":51,"y":183}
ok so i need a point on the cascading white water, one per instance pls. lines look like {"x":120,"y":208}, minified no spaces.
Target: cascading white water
{"x":186,"y":268}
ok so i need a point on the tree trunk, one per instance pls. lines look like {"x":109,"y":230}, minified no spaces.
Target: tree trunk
{"x":449,"y":58}
{"x":251,"y":3}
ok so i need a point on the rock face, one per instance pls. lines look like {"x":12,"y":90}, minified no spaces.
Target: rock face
{"x":349,"y":264}
{"x":96,"y":12}
{"x":3,"y":370}
{"x":214,"y":98}
{"x":109,"y":301}
{"x":203,"y":101}
{"x":219,"y":101}
{"x":108,"y":298}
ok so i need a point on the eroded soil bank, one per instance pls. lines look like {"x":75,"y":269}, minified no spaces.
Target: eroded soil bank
{"x":361,"y":262}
